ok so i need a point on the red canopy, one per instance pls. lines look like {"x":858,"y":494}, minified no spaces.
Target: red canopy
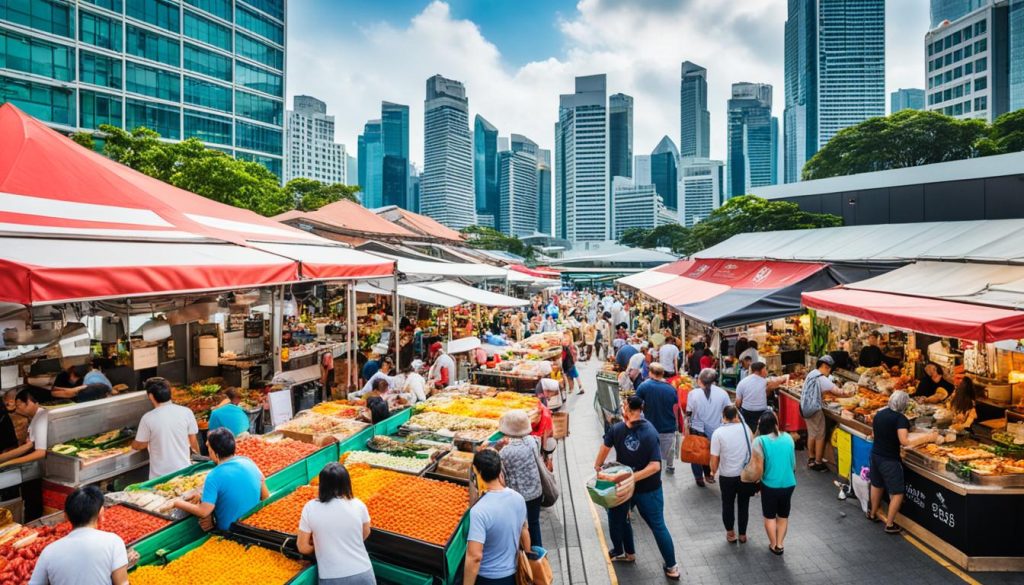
{"x":535,"y":272}
{"x":932,"y":316}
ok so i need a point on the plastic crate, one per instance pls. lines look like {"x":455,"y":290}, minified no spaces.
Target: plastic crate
{"x":171,"y":554}
{"x":390,"y":425}
{"x":152,"y":483}
{"x":173,"y":537}
{"x":298,"y":473}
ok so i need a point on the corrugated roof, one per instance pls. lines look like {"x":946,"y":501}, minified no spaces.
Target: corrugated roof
{"x":418,"y":224}
{"x":349,"y":216}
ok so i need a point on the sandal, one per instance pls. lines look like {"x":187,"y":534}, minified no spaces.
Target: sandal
{"x":743,"y":539}
{"x":872,"y":517}
{"x":672,"y":573}
{"x":730,"y":537}
{"x":893,"y":529}
{"x":776,"y":551}
{"x":708,"y":479}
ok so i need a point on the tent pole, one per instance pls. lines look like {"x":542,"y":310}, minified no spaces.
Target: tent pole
{"x":354,"y":319}
{"x":449,"y":324}
{"x":394,"y":325}
{"x":276,"y":325}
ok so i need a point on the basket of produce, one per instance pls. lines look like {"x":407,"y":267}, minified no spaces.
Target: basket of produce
{"x":93,"y":458}
{"x":272,"y":453}
{"x":340,"y":408}
{"x":402,"y":447}
{"x":319,"y":429}
{"x":448,"y":424}
{"x":414,"y":465}
{"x":215,"y":559}
{"x":612,"y":486}
{"x":456,"y":465}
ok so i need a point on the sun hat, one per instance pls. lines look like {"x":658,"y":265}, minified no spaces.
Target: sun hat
{"x":515,"y":423}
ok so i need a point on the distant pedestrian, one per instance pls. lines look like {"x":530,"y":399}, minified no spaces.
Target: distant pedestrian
{"x":730,"y":452}
{"x":704,"y":406}
{"x":707,"y":360}
{"x":636,"y":445}
{"x":668,"y":355}
{"x":659,"y":399}
{"x":777,"y":457}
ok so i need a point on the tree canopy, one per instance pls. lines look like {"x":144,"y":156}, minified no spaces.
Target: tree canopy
{"x":487,"y":238}
{"x":190,"y":165}
{"x":911,"y":138}
{"x":748,"y":213}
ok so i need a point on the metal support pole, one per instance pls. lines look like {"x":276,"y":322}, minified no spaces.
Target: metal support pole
{"x":449,"y":325}
{"x":394,"y":324}
{"x":354,"y":335}
{"x":276,"y":325}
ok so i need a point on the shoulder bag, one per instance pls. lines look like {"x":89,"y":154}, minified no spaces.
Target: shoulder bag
{"x":524,"y":570}
{"x":548,"y":482}
{"x":752,"y":468}
{"x":695,"y":449}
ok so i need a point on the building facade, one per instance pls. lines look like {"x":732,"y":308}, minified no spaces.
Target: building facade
{"x":446,"y":184}
{"x":620,"y":135}
{"x":694,"y":117}
{"x":582,"y":194}
{"x":834,"y":73}
{"x":968,"y":69}
{"x":210,"y":70}
{"x":635,"y":206}
{"x":702,"y":189}
{"x":310,"y":149}
{"x":751,"y":147}
{"x":485,"y":172}
{"x":906,"y":99}
{"x":1016,"y":54}
{"x":517,"y":180}
{"x":394,"y":120}
{"x":940,"y":10}
{"x":545,"y":209}
{"x":370,"y":153}
{"x":664,"y":173}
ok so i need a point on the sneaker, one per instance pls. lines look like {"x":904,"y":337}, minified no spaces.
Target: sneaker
{"x":670,"y":470}
{"x":819,"y":467}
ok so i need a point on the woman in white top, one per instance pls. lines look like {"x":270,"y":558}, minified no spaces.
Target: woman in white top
{"x":730,"y":453}
{"x":333,"y":527}
{"x":704,"y":406}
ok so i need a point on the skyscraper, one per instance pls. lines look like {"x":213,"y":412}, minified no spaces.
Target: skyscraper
{"x":834,"y":72}
{"x":664,"y":172}
{"x":485,"y":171}
{"x":1016,"y":54}
{"x":446,"y":185}
{"x":620,"y":135}
{"x":209,"y":70}
{"x":642,"y":169}
{"x":582,"y":192}
{"x":544,"y":207}
{"x":394,"y":119}
{"x":751,"y":150}
{"x":694,"y":118}
{"x":370,"y":153}
{"x":968,"y":67}
{"x":636,"y":206}
{"x":906,"y":99}
{"x":310,"y":149}
{"x":702,"y":189}
{"x":952,"y":9}
{"x":517,"y":185}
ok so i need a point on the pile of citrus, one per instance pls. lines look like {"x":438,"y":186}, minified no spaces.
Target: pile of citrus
{"x":283,"y":515}
{"x":221,"y":562}
{"x":273,"y":456}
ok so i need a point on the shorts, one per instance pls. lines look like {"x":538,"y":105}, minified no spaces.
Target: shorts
{"x":887,"y":473}
{"x":573,"y":373}
{"x":667,"y":442}
{"x":815,"y":425}
{"x":775,"y":502}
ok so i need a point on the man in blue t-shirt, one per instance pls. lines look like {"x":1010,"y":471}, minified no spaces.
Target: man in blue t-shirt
{"x":660,"y":399}
{"x":231,"y":489}
{"x":497,"y":526}
{"x":230,"y":416}
{"x":622,"y":356}
{"x":636,"y":445}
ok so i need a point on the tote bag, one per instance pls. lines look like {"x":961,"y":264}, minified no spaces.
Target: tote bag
{"x":695,"y":449}
{"x":752,"y":469}
{"x":548,"y":483}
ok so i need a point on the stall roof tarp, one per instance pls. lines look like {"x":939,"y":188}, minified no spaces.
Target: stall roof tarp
{"x":458,"y":269}
{"x":646,"y":279}
{"x":41,"y":271}
{"x":986,"y":284}
{"x":331,"y":262}
{"x":931,"y":316}
{"x":351,"y":216}
{"x":475,"y":295}
{"x":413,"y":292}
{"x":993,"y":240}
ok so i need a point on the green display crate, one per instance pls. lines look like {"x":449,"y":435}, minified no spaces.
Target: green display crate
{"x":390,"y":425}
{"x":171,"y":538}
{"x":194,"y":468}
{"x":384,"y":572}
{"x":305,"y":577}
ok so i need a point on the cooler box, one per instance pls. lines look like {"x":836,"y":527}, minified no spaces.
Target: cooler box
{"x":790,"y":419}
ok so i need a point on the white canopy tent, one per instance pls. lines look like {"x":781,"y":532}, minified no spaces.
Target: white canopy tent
{"x":646,"y":279}
{"x":998,"y":285}
{"x":475,"y":295}
{"x":413,"y":292}
{"x":423,"y":268}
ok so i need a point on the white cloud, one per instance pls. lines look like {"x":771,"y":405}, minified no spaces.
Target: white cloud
{"x":640,"y":46}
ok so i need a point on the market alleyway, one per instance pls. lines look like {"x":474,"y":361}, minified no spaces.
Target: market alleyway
{"x":829,"y":540}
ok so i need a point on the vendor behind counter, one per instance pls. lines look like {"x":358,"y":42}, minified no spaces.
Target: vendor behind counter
{"x":871,"y":355}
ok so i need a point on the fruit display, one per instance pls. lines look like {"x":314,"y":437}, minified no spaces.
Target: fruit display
{"x":221,"y":562}
{"x":386,"y":461}
{"x":283,"y":515}
{"x":101,"y":445}
{"x":130,"y":525}
{"x":339,"y":408}
{"x":201,"y":398}
{"x":469,"y":406}
{"x":312,"y":427}
{"x":449,"y":423}
{"x":272,"y":453}
{"x":18,"y":558}
{"x":181,"y":485}
{"x":402,"y":447}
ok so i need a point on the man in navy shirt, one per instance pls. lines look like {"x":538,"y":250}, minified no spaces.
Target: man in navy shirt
{"x":659,"y":399}
{"x":636,"y":445}
{"x":622,"y":356}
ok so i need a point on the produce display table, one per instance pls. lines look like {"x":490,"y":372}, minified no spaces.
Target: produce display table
{"x":505,"y":380}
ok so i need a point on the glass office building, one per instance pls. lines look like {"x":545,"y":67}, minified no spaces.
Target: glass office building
{"x":582,"y":193}
{"x":751,"y":144}
{"x":446,"y":185}
{"x":620,"y":135}
{"x":369,"y":157}
{"x":906,"y":99}
{"x":485,"y":172}
{"x":694,"y":117}
{"x":951,"y":10}
{"x":394,"y":119}
{"x":665,"y":172}
{"x":209,"y":69}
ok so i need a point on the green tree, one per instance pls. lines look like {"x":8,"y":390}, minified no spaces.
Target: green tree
{"x":904,"y":139}
{"x":310,"y":194}
{"x":84,"y":139}
{"x":750,"y":213}
{"x":486,"y":238}
{"x":1007,"y":132}
{"x":634,"y":237}
{"x":672,"y":236}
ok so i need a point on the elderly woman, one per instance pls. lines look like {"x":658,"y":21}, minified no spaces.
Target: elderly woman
{"x":519,"y":451}
{"x":890,"y":430}
{"x":704,"y":406}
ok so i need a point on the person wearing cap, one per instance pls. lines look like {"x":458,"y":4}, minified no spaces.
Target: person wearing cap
{"x":816,"y":385}
{"x":442,"y":371}
{"x":519,"y":450}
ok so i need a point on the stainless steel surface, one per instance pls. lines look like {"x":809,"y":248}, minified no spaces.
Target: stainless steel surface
{"x":956,"y":485}
{"x":74,"y":421}
{"x":73,"y":471}
{"x":18,"y":474}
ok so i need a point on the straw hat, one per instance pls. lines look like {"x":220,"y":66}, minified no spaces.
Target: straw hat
{"x":515,"y":423}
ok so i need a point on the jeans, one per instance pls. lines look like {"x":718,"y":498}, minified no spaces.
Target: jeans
{"x":651,"y":506}
{"x":699,"y":471}
{"x":734,"y":494}
{"x":533,"y":520}
{"x":667,"y":441}
{"x":510,"y":580}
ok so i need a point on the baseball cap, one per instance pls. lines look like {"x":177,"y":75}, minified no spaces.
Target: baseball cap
{"x":827,"y":359}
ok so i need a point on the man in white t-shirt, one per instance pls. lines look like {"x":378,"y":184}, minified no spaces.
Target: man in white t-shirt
{"x":750,"y":352}
{"x":168,"y":431}
{"x":86,"y":556}
{"x":752,"y":393}
{"x":35,"y":448}
{"x":668,"y":355}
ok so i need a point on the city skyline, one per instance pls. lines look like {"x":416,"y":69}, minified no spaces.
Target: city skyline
{"x":517,"y":88}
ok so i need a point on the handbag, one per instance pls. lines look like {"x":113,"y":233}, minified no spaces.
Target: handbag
{"x":548,"y":483}
{"x":539,"y":566}
{"x":524,"y":570}
{"x":752,"y":470}
{"x":695,"y":449}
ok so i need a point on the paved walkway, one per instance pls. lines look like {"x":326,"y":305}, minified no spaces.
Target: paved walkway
{"x":829,"y":541}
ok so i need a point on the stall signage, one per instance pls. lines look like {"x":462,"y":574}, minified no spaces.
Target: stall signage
{"x":939,"y":510}
{"x":253,"y":328}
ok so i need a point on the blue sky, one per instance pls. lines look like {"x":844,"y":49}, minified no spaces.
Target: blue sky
{"x":516,"y":56}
